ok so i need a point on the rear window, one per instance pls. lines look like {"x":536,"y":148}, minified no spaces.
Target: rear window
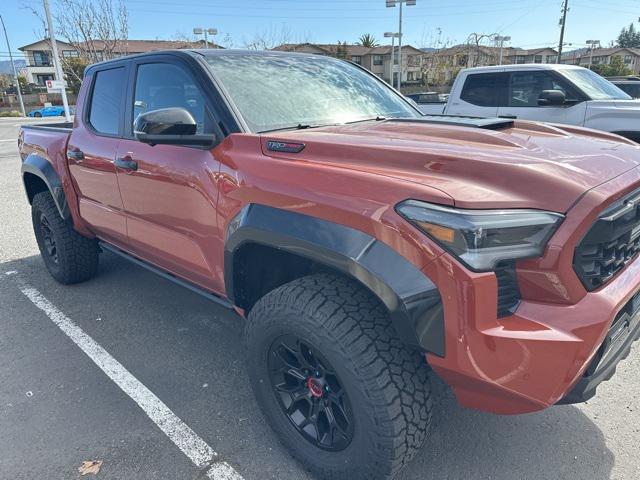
{"x":485,"y":89}
{"x":105,"y":109}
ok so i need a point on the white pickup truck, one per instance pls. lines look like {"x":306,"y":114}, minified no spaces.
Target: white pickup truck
{"x":563,"y":94}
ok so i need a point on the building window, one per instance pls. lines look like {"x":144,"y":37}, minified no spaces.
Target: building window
{"x":413,"y":60}
{"x":537,"y":59}
{"x":521,"y":59}
{"x":552,"y":58}
{"x":356,"y":59}
{"x":377,"y":59}
{"x":410,"y":77}
{"x":41,"y":79}
{"x":41,"y":59}
{"x":70,"y":54}
{"x":597,"y":60}
{"x":628,"y":59}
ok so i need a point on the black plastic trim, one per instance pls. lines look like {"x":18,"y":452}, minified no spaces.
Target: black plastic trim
{"x":413,"y":301}
{"x":614,"y":349}
{"x":166,"y":275}
{"x":42,"y":168}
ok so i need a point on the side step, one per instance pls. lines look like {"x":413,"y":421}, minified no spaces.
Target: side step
{"x":169,"y":276}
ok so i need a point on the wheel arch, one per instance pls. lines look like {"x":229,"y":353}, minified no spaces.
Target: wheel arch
{"x":39,"y":175}
{"x":267,"y":247}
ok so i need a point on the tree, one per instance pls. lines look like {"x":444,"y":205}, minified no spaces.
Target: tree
{"x":342,"y":51}
{"x":629,"y":37}
{"x":616,"y":68}
{"x":368,"y":40}
{"x":73,"y":69}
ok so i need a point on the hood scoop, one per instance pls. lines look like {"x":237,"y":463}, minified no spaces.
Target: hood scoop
{"x":459,"y":121}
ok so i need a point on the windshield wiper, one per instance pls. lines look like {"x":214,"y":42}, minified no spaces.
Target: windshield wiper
{"x":379,"y":118}
{"x":300,"y":126}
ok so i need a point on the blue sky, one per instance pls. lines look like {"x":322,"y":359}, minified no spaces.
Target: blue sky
{"x":531,"y":23}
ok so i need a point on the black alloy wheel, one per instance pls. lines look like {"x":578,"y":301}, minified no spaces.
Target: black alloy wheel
{"x":310,"y":394}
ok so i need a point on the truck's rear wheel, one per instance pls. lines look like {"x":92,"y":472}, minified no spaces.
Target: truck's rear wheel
{"x":339,"y":388}
{"x":68,"y":256}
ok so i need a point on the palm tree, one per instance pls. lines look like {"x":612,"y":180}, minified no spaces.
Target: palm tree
{"x":368,"y":40}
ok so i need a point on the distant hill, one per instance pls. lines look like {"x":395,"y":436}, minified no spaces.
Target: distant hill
{"x":5,"y":65}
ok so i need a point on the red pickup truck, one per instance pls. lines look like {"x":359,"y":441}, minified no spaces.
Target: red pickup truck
{"x":363,"y":242}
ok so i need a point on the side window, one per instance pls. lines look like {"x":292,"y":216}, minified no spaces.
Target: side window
{"x":164,"y":85}
{"x":106,"y":100}
{"x":526,"y":87}
{"x":485,"y":89}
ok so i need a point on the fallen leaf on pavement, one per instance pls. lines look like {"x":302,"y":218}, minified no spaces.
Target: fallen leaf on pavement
{"x":91,"y":467}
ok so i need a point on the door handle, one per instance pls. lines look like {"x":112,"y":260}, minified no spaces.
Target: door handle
{"x":126,"y":163}
{"x":75,"y":154}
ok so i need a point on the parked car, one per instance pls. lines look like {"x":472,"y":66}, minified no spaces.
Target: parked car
{"x":360,"y":240}
{"x":53,"y":111}
{"x":630,"y":87}
{"x":561,"y":94}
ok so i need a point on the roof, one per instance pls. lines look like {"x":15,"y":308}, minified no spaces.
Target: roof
{"x":605,"y":52}
{"x":332,"y":48}
{"x":44,"y":40}
{"x":134,"y":46}
{"x":526,"y":66}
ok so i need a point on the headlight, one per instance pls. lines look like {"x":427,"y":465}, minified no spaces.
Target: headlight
{"x":483,"y":238}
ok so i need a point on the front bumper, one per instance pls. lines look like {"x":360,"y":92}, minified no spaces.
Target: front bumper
{"x":553,"y":348}
{"x":616,"y":347}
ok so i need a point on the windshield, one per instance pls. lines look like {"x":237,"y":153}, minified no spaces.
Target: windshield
{"x":275,"y":91}
{"x":596,"y":87}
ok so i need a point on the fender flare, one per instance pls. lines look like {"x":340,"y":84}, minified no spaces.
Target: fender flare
{"x":43,"y":169}
{"x":413,"y":300}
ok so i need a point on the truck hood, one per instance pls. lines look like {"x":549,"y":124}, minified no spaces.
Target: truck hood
{"x":526,"y":165}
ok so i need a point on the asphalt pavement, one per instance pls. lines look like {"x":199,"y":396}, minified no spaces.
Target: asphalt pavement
{"x":60,"y":406}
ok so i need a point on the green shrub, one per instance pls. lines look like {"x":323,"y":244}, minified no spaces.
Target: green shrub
{"x":12,"y":113}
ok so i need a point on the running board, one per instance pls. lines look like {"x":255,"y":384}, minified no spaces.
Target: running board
{"x":166,"y":275}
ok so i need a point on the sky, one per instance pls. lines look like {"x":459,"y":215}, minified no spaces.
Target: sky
{"x":431,"y":23}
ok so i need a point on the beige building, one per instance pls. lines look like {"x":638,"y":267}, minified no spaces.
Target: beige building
{"x":603,"y":56}
{"x":442,"y":66}
{"x":38,"y":55}
{"x":377,"y":60}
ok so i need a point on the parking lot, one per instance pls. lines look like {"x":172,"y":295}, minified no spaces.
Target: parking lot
{"x":149,"y":378}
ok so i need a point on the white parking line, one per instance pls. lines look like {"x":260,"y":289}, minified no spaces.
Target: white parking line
{"x":194,"y":447}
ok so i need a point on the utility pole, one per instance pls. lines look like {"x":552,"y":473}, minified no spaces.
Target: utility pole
{"x":56,"y":59}
{"x":13,"y":66}
{"x":563,"y":23}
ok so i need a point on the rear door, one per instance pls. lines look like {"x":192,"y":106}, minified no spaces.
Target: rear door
{"x":92,"y":150}
{"x":170,"y":197}
{"x":480,"y":96}
{"x":524,"y":91}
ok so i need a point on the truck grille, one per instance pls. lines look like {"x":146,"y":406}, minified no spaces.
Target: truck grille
{"x":612,"y":242}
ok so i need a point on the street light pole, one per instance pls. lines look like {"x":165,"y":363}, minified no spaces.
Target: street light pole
{"x":13,"y":66}
{"x":592,"y":45}
{"x":502,"y":40}
{"x":56,"y":60}
{"x":207,"y":32}
{"x":393,"y":3}
{"x":393,"y":37}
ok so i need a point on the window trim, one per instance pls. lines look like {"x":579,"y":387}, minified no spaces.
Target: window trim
{"x":581,"y":98}
{"x":503,"y":95}
{"x":88,"y":102}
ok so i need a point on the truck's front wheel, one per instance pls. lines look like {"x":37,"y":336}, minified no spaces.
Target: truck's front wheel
{"x":68,"y":256}
{"x":337,"y":385}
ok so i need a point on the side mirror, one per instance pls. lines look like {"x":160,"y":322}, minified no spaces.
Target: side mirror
{"x":170,"y":126}
{"x":552,"y":98}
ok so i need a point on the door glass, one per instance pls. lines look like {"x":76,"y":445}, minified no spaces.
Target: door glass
{"x":164,"y":85}
{"x":106,"y":100}
{"x":526,"y":88}
{"x":484,"y":89}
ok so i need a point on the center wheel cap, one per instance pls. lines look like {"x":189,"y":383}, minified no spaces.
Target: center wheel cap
{"x":315,"y":387}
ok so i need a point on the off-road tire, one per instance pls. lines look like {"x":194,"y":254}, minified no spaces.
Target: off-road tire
{"x":76,"y":256}
{"x":387,"y":384}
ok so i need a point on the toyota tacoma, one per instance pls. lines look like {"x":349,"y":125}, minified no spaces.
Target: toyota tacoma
{"x":364,"y":244}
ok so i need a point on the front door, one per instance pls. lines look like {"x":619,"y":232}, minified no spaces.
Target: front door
{"x":480,"y":95}
{"x":170,"y":192}
{"x":92,"y":150}
{"x":524,"y":91}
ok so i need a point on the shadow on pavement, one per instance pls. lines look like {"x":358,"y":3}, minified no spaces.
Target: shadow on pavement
{"x":559,"y":443}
